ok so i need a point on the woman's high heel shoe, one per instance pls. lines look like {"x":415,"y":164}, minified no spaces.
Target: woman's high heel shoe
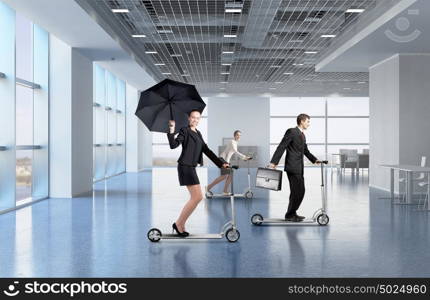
{"x":175,"y":228}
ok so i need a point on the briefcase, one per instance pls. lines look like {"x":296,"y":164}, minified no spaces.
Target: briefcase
{"x":269,"y":179}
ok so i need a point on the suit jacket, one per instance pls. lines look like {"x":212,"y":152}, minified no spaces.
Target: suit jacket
{"x":189,"y":156}
{"x":294,"y":142}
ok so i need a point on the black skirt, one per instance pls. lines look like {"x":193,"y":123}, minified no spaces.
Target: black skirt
{"x":187,"y":175}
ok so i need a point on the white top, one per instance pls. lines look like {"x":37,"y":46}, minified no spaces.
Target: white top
{"x":229,"y":150}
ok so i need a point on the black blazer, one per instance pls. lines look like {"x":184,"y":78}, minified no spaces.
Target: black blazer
{"x":188,"y":155}
{"x":294,"y":142}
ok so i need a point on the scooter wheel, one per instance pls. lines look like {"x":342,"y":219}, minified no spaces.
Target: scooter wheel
{"x":232,"y":235}
{"x":257,"y":219}
{"x":209,"y":195}
{"x":154,"y":235}
{"x":323,"y":219}
{"x":249,"y":195}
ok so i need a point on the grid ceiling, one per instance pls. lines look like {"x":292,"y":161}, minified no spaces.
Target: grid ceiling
{"x":269,"y":52}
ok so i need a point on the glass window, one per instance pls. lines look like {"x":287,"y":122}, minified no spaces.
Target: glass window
{"x":287,"y":106}
{"x":109,"y":124}
{"x":352,"y":106}
{"x":24,"y":48}
{"x":314,"y":134}
{"x":24,"y":137}
{"x":7,"y":111}
{"x":350,"y":125}
{"x":348,"y":130}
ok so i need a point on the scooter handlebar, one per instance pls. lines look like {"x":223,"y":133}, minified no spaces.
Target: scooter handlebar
{"x":324,"y":162}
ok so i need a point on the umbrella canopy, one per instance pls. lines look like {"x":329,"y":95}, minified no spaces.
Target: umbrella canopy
{"x":168,"y":100}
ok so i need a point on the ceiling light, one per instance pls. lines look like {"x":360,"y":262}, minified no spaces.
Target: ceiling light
{"x":151,"y":52}
{"x":138,"y":35}
{"x":288,"y":73}
{"x":328,"y":35}
{"x":165,"y":31}
{"x":311,"y":52}
{"x":227,"y":52}
{"x":225,"y":73}
{"x":176,"y":55}
{"x":166,"y":73}
{"x":120,"y":10}
{"x":223,"y":82}
{"x":346,"y":88}
{"x":297,"y":64}
{"x":272,"y":88}
{"x":361,"y":82}
{"x":226,"y":64}
{"x":279,"y":82}
{"x":230,"y":35}
{"x":159,"y":64}
{"x":233,"y":10}
{"x":275,"y":66}
{"x":185,"y":75}
{"x":355,"y":10}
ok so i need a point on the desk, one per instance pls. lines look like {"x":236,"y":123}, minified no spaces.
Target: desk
{"x":409,"y":169}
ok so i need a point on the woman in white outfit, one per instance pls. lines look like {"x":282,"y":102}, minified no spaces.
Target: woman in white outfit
{"x":230,"y":149}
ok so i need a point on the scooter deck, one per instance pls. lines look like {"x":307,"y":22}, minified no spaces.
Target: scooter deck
{"x":227,"y":196}
{"x":283,"y":221}
{"x":171,"y":236}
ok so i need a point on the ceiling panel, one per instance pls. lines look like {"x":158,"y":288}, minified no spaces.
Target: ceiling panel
{"x":269,"y":46}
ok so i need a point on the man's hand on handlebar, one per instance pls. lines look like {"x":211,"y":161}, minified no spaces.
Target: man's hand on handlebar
{"x":272,"y":166}
{"x":225,"y":166}
{"x":321,"y":162}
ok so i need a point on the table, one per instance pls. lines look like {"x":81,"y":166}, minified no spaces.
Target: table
{"x":409,"y":169}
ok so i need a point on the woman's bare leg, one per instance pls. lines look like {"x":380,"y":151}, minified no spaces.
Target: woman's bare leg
{"x":196,"y":197}
{"x":216,"y":181}
{"x":227,"y":184}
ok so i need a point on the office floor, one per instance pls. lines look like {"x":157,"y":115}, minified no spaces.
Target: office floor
{"x":105,"y":236}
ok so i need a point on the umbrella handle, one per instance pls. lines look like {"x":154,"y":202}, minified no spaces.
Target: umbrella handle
{"x":171,"y":111}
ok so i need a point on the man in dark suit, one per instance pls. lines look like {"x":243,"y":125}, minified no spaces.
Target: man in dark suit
{"x":294,"y":142}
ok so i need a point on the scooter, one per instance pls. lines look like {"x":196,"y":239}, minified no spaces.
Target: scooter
{"x":247,"y":193}
{"x":320,"y":216}
{"x":229,"y":230}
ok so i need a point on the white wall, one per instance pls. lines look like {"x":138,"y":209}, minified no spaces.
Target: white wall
{"x":250,"y":114}
{"x":70,"y":115}
{"x":139,"y":138}
{"x":414,"y":108}
{"x":60,"y":143}
{"x":399,"y":114}
{"x":383,"y":120}
{"x":82,"y":124}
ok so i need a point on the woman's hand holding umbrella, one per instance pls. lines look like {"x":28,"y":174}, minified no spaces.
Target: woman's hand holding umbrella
{"x":172,"y":124}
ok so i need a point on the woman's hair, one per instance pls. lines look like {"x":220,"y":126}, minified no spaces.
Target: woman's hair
{"x":236,"y":132}
{"x":189,"y":114}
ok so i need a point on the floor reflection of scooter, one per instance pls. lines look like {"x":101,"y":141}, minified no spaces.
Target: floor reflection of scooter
{"x":320,"y":216}
{"x":229,"y":230}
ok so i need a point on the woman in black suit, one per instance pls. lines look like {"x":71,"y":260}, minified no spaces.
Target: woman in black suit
{"x":193,"y":147}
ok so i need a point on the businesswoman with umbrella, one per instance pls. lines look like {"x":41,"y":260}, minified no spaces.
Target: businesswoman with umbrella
{"x":176,"y":107}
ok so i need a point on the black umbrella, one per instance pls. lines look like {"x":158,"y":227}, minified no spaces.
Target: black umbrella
{"x":168,"y":100}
